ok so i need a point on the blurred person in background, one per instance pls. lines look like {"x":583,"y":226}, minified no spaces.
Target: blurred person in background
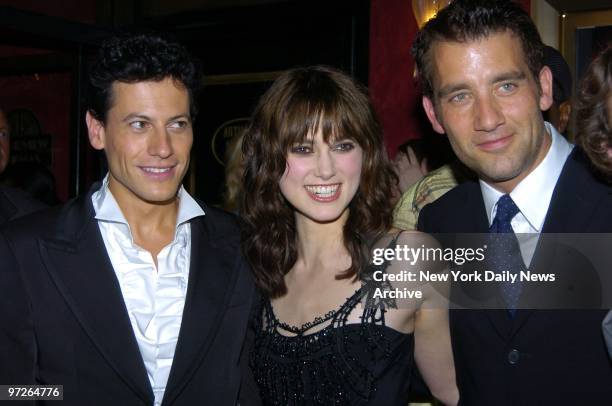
{"x":417,"y":157}
{"x":560,"y":111}
{"x":594,"y":129}
{"x":13,"y":203}
{"x":33,"y":178}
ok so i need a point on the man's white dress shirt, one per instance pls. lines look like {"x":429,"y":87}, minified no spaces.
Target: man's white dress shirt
{"x":532,"y":195}
{"x":154,"y":297}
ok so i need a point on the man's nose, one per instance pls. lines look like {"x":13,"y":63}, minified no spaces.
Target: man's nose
{"x":160,"y":144}
{"x":488,"y":114}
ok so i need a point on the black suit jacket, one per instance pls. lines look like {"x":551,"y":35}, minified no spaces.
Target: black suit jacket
{"x":64,"y":321}
{"x":541,"y":357}
{"x":15,"y":203}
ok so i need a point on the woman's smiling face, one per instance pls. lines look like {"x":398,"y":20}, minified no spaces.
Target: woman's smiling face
{"x":321,"y":178}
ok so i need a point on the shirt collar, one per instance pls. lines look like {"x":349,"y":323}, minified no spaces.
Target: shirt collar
{"x":533,"y":194}
{"x":107,"y":208}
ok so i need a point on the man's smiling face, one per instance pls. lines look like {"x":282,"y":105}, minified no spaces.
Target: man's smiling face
{"x":489,"y":104}
{"x":147,"y":140}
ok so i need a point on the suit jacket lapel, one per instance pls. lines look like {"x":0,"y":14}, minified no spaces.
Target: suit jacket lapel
{"x":212,"y":275}
{"x":566,"y":203}
{"x":76,"y":258}
{"x":573,"y":205}
{"x":473,"y":216}
{"x":576,"y":197}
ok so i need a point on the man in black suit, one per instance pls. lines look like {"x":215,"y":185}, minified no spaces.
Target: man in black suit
{"x":134,"y":294}
{"x":484,"y":85}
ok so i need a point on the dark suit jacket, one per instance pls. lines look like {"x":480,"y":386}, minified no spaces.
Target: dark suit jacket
{"x":64,"y":321}
{"x":541,"y":357}
{"x":15,"y":203}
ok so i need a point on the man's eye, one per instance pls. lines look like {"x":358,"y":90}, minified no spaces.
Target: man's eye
{"x":459,"y":98}
{"x":508,"y":87}
{"x":301,"y":149}
{"x":138,"y":125}
{"x":344,"y":146}
{"x":4,"y":134}
{"x":179,"y":124}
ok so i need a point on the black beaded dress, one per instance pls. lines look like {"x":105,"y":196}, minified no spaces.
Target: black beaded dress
{"x":342,"y":363}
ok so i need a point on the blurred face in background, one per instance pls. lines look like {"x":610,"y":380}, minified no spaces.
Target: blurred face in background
{"x":610,"y":110}
{"x":408,"y":168}
{"x":5,"y":148}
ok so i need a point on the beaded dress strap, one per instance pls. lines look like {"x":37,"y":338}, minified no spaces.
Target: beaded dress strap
{"x":374,"y":309}
{"x":331,"y":315}
{"x":340,"y":315}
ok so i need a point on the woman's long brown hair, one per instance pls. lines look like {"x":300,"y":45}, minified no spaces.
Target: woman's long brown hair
{"x":300,"y":102}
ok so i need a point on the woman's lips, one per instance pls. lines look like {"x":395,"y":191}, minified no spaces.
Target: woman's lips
{"x":324,"y":193}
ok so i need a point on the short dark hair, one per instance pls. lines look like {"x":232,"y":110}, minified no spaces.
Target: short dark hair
{"x":132,"y":58}
{"x":468,"y":20}
{"x":300,"y":102}
{"x":562,"y":77}
{"x":593,"y":124}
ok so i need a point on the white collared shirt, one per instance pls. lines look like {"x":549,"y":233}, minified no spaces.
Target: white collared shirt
{"x":154,"y":298}
{"x":532,"y":195}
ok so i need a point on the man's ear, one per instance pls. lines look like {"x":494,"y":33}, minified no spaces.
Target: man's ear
{"x":95,"y":131}
{"x":565,"y":111}
{"x":431,"y":115}
{"x":546,"y":86}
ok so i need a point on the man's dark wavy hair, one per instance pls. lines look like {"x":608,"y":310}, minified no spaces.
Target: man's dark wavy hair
{"x":300,"y":102}
{"x":133,"y":58}
{"x":593,"y":123}
{"x":469,"y":20}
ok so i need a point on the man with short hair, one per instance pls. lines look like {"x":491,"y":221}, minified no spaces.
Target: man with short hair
{"x":134,"y":293}
{"x":484,"y":85}
{"x":560,"y":110}
{"x":438,"y":182}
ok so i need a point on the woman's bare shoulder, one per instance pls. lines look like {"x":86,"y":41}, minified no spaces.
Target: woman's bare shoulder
{"x":412,"y":238}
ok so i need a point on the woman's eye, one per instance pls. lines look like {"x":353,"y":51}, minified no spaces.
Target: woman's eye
{"x":344,"y":146}
{"x":301,"y":149}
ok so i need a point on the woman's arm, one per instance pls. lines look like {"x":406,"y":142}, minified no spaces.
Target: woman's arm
{"x":433,"y":352}
{"x":434,"y":355}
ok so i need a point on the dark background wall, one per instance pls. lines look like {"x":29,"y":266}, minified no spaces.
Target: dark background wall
{"x":45,"y":48}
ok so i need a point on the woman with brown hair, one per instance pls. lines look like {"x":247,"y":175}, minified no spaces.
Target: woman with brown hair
{"x":594,"y":129}
{"x":594,"y":112}
{"x":317,"y":213}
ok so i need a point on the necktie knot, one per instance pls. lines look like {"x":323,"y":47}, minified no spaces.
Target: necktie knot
{"x":506,"y":210}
